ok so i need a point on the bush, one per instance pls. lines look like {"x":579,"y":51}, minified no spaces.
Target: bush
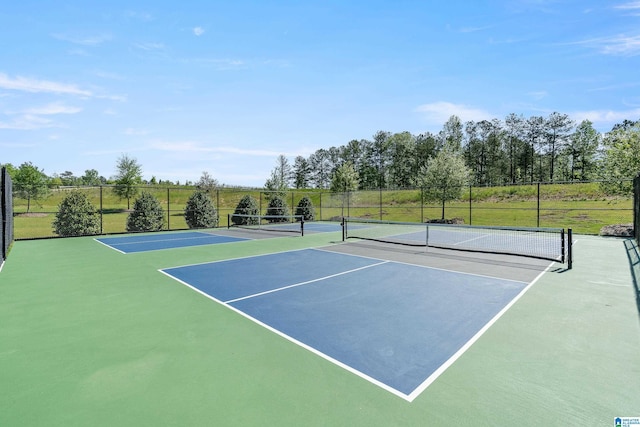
{"x":76,"y":216}
{"x":248,"y":205}
{"x":278,"y":207}
{"x":147,"y":214}
{"x":305,"y":209}
{"x":200,"y":211}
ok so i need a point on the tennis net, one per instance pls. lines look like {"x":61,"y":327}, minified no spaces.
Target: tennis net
{"x":276,"y":223}
{"x":544,"y":243}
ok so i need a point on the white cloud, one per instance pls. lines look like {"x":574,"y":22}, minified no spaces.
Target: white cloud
{"x":25,"y":84}
{"x":188,"y":146}
{"x":119,"y":98}
{"x":621,"y":45}
{"x":475,"y":29}
{"x":629,"y":6}
{"x":54,"y":108}
{"x":604,"y":119}
{"x":149,"y":46}
{"x":31,"y":118}
{"x":27,"y":122}
{"x":538,"y":95}
{"x":195,"y":147}
{"x":220,"y":64}
{"x":141,"y":16}
{"x":198,"y":31}
{"x":437,"y":113}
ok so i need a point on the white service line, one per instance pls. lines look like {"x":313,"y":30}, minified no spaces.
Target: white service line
{"x":304,"y":283}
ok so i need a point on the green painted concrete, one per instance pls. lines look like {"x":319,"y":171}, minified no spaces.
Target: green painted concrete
{"x":89,"y":336}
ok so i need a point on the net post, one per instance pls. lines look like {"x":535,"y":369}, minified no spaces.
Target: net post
{"x":569,"y":249}
{"x":426,"y":239}
{"x":228,"y":221}
{"x":343,"y":223}
{"x":302,"y":227}
{"x":563,"y":249}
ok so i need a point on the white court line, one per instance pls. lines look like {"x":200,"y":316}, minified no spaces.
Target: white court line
{"x":313,"y":350}
{"x":430,"y":267}
{"x":427,"y":382}
{"x":109,"y":246}
{"x":304,"y":283}
{"x":233,"y":259}
{"x":422,"y":387}
{"x":204,"y":236}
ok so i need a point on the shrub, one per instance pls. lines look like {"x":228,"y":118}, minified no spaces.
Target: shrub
{"x":200,"y":211}
{"x":147,"y":214}
{"x":76,"y":216}
{"x":248,"y":205}
{"x":278,"y":207}
{"x":305,"y":209}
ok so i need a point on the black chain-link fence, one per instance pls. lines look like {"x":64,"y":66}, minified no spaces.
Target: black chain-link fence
{"x":6,"y":214}
{"x":636,"y":208}
{"x":584,"y":207}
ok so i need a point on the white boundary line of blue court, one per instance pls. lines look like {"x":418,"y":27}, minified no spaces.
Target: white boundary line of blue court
{"x":205,"y":236}
{"x":427,"y":382}
{"x":473,"y":339}
{"x":303,"y":283}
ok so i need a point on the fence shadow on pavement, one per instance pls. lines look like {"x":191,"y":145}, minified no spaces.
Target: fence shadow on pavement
{"x":633,"y":253}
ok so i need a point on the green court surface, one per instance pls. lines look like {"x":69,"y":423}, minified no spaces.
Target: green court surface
{"x":93,"y":337}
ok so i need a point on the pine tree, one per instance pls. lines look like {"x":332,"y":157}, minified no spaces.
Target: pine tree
{"x":76,"y":216}
{"x":147,"y":214}
{"x":200,"y":211}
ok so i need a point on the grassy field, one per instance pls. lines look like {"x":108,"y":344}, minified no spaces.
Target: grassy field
{"x":583,"y":207}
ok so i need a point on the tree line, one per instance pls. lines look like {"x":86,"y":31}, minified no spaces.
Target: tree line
{"x":516,"y":150}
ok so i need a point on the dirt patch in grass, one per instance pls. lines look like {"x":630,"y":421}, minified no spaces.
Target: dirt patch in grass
{"x":32,"y":215}
{"x":617,"y":230}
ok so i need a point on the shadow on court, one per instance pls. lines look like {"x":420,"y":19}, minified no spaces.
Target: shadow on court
{"x":633,"y":253}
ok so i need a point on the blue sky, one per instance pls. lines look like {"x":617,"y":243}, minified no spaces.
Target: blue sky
{"x":225,"y":87}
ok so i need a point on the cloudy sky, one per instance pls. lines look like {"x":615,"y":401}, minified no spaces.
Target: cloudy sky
{"x":225,"y":87}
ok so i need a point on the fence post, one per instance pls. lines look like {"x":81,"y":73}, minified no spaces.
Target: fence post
{"x":636,"y":208}
{"x":421,"y":204}
{"x":101,"y":212}
{"x":470,"y":195}
{"x":538,"y":216}
{"x":168,"y":210}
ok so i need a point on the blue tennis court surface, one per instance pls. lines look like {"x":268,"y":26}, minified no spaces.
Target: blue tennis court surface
{"x":153,"y":242}
{"x":397,"y":325}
